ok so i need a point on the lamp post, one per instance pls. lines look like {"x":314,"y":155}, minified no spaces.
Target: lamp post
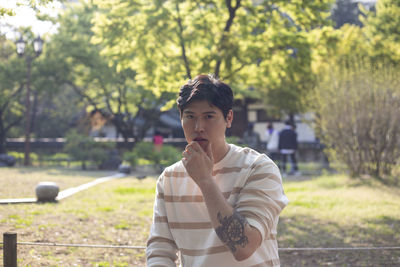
{"x":37,"y":48}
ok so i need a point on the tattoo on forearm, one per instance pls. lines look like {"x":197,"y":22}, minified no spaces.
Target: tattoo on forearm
{"x":231,"y":230}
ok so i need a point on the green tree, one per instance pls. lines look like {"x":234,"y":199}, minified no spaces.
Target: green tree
{"x":97,"y":79}
{"x":45,"y":79}
{"x":30,"y":3}
{"x":356,"y":98}
{"x":261,"y":45}
{"x":12,"y":75}
{"x":382,"y":30}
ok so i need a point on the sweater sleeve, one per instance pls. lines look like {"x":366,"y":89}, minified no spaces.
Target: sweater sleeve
{"x":262,"y":197}
{"x":161,"y":248}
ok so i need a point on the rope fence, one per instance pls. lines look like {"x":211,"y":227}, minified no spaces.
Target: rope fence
{"x":144,"y":247}
{"x":10,"y":248}
{"x":79,"y":245}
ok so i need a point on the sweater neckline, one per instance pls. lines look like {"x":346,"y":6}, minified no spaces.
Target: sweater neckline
{"x":225,"y":159}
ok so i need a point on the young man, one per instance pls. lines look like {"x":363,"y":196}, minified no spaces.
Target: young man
{"x":219,"y":205}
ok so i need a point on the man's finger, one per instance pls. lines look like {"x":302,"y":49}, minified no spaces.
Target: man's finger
{"x":195,"y":146}
{"x":209,"y":151}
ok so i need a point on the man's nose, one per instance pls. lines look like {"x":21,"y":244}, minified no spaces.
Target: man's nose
{"x":199,"y":125}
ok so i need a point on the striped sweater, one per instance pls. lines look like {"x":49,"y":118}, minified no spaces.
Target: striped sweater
{"x":250,"y":182}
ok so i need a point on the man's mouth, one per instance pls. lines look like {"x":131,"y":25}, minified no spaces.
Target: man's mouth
{"x":202,"y":142}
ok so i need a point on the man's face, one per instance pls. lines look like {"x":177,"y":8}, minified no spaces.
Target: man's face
{"x":204,"y":123}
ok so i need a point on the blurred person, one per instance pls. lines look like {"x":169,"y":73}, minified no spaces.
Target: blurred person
{"x":158,"y":140}
{"x":287,"y":147}
{"x":219,"y":205}
{"x":272,"y":137}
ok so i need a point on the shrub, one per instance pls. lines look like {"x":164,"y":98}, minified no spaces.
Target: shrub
{"x":59,"y":156}
{"x":131,"y":158}
{"x":19,"y":156}
{"x":167,"y":155}
{"x":357,"y":107}
{"x":83,"y":148}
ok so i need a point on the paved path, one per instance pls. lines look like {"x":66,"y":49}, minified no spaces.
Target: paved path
{"x":65,"y":193}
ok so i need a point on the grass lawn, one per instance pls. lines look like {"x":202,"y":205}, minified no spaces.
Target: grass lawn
{"x":334,"y":211}
{"x":328,"y":211}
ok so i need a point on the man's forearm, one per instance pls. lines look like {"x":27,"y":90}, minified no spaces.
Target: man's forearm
{"x":232,"y":228}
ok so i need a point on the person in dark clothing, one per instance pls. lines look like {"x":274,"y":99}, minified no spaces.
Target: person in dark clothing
{"x":288,"y":146}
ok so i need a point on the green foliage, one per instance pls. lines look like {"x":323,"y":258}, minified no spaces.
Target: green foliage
{"x":84,"y":149}
{"x":31,"y":3}
{"x":12,"y":79}
{"x":19,"y":156}
{"x":6,"y":11}
{"x":382,"y":30}
{"x":169,"y":155}
{"x":131,"y":158}
{"x":146,"y":150}
{"x":164,"y":156}
{"x":358,"y":106}
{"x":262,"y":45}
{"x":96,"y":78}
{"x":59,"y":156}
{"x":356,"y":99}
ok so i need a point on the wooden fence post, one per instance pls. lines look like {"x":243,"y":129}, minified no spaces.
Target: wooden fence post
{"x":10,"y":249}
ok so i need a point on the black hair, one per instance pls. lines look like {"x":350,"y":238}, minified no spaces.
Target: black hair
{"x":209,"y":88}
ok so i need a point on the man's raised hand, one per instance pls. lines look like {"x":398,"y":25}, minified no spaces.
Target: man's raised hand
{"x":198,"y":163}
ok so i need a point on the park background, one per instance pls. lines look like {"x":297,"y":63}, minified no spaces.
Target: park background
{"x":106,"y":80}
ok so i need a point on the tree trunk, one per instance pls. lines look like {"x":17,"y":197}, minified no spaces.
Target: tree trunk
{"x":2,"y":140}
{"x":232,"y":14}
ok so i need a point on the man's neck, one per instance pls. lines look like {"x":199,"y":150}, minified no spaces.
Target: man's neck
{"x":220,"y":152}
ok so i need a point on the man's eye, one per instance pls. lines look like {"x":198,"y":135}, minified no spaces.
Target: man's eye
{"x":209,"y":116}
{"x":189,"y":116}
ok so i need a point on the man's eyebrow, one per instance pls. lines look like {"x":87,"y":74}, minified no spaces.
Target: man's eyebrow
{"x":206,"y":112}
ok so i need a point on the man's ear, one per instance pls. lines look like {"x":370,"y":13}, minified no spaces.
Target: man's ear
{"x":229,"y":118}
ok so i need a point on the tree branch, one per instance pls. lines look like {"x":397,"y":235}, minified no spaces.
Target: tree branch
{"x":182,"y":42}
{"x":82,"y":94}
{"x":232,"y":13}
{"x":14,"y":94}
{"x":12,"y":124}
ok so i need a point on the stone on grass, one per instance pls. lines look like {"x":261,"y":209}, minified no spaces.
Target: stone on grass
{"x":124,"y":168}
{"x":47,"y":191}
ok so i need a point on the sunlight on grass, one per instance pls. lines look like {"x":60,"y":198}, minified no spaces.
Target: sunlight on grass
{"x":134,"y":190}
{"x":341,"y":210}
